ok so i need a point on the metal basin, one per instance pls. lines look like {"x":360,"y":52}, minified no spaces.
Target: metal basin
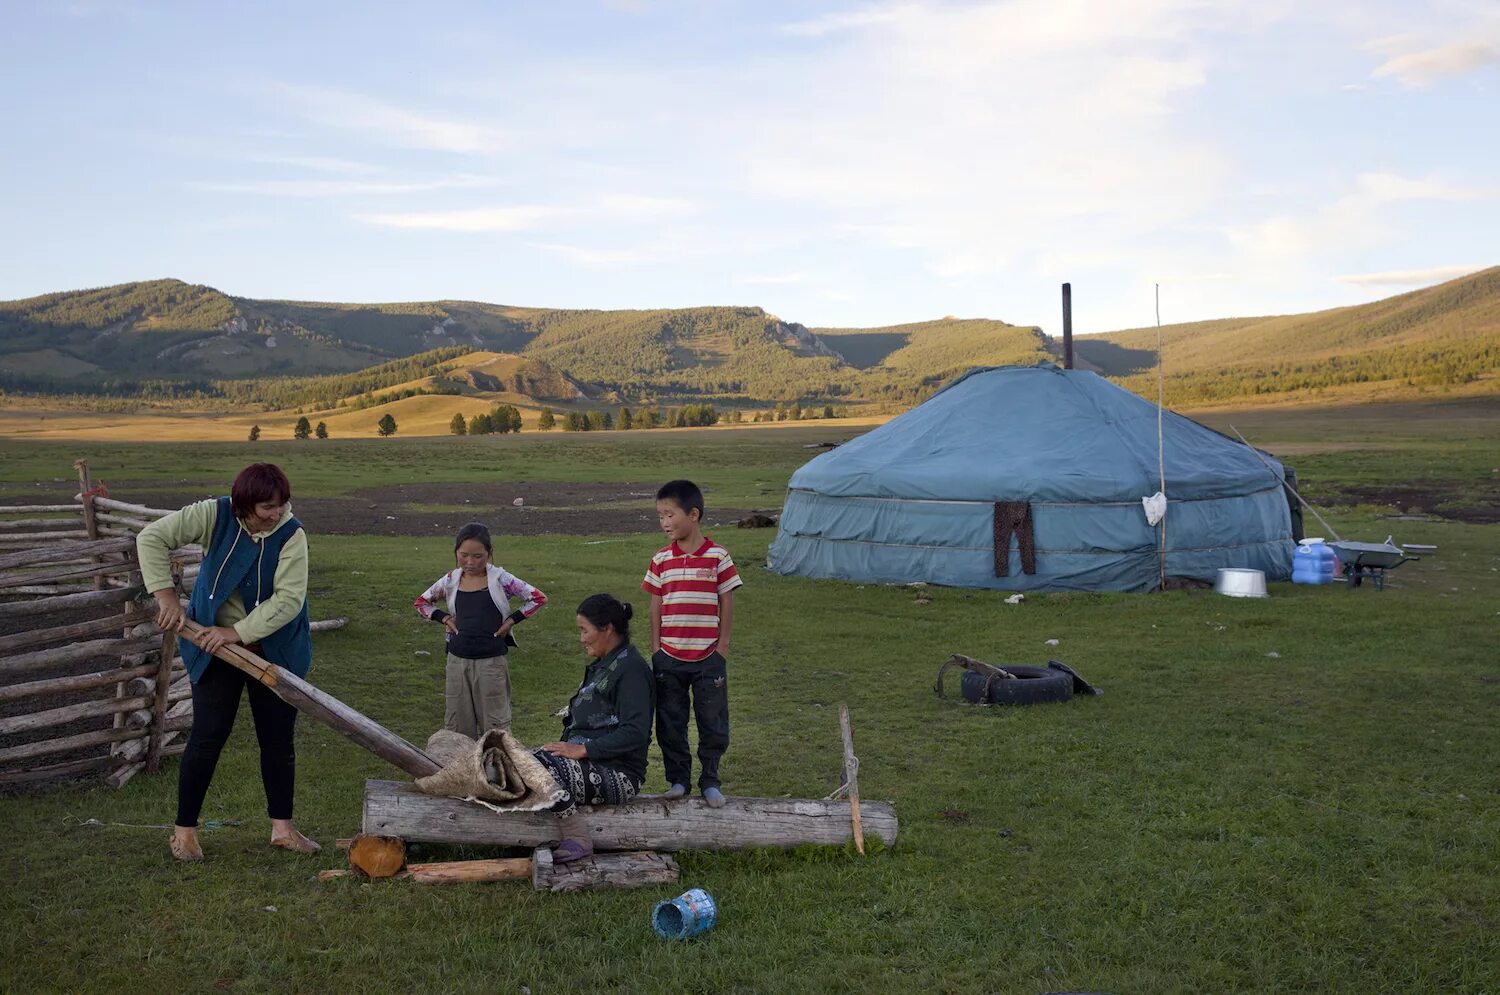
{"x":1240,"y":582}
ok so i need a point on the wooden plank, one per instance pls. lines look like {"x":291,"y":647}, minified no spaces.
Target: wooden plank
{"x":160,"y":705}
{"x":25,"y":663}
{"x":635,"y":869}
{"x":70,"y":602}
{"x":322,"y":706}
{"x":30,"y":523}
{"x":26,"y":509}
{"x":78,"y":682}
{"x":397,"y":808}
{"x":47,"y":635}
{"x":17,"y":538}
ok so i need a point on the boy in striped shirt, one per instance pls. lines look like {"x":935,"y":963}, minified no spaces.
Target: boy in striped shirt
{"x":691,"y":583}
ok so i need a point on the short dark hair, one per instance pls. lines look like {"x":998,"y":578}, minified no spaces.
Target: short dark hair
{"x":604,"y":610}
{"x":256,"y":483}
{"x":474,"y":530}
{"x":684,"y":493}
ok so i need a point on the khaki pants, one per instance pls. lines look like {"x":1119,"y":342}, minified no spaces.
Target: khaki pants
{"x":477,"y":695}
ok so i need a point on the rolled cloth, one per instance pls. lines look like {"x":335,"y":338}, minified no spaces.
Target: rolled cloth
{"x":497,"y":771}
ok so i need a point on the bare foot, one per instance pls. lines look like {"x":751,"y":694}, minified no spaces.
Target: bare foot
{"x":184,"y":844}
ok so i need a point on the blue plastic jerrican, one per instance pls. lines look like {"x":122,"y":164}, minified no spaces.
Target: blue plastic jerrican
{"x":687,"y":915}
{"x":1314,"y":562}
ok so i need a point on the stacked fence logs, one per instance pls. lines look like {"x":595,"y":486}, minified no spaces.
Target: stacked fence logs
{"x":87,"y":683}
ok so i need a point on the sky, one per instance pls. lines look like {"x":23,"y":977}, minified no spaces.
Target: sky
{"x":837,"y":163}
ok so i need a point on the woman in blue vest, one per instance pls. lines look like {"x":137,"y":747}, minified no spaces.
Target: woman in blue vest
{"x":251,"y":590}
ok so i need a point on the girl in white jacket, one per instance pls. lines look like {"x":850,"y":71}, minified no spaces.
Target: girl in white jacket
{"x":472,"y":602}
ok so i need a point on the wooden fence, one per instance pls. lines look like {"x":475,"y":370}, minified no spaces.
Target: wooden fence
{"x":88,"y":686}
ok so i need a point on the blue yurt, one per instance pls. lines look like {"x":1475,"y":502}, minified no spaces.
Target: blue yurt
{"x":1032,"y":479}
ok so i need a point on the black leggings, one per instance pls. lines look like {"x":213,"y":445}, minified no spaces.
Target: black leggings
{"x":216,"y":699}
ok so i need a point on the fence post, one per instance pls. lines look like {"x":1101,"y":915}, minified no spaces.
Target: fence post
{"x":163,"y":683}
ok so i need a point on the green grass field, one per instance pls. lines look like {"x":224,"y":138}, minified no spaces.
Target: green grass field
{"x":1295,"y":794}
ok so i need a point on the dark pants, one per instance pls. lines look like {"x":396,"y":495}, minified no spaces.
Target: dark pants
{"x":710,"y":705}
{"x":216,"y":699}
{"x":1013,"y":517}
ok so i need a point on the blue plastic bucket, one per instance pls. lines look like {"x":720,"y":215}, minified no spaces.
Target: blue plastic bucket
{"x":687,"y":915}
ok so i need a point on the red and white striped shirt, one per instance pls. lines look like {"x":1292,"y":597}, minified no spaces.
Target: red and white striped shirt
{"x":690,"y":586}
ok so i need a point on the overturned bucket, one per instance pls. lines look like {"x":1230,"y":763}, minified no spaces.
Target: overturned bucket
{"x":687,"y":915}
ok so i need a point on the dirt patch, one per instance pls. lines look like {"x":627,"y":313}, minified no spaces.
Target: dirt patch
{"x":547,"y":508}
{"x":1480,"y":507}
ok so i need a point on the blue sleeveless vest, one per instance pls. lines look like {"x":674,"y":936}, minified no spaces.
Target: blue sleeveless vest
{"x":233,"y":561}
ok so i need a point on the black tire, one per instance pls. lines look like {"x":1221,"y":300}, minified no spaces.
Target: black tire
{"x":1032,"y":686}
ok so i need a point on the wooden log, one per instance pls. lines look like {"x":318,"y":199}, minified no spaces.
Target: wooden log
{"x":37,"y":638}
{"x":70,"y":602}
{"x":377,"y":856}
{"x":179,"y":719}
{"x":90,"y":521}
{"x":23,"y":538}
{"x":66,"y":744}
{"x":121,"y":775}
{"x":134,"y":524}
{"x":160,"y":705}
{"x":851,"y":779}
{"x":471,"y":871}
{"x":60,"y":552}
{"x":49,"y":589}
{"x":69,"y":769}
{"x":112,"y":504}
{"x":636,"y":869}
{"x":28,"y":523}
{"x":398,"y":808}
{"x":328,"y":624}
{"x":27,"y":509}
{"x":25,"y":663}
{"x":69,"y":713}
{"x":99,"y":570}
{"x":321,"y":706}
{"x":78,"y":682}
{"x":138,"y":719}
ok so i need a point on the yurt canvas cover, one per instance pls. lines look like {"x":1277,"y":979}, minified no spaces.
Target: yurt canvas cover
{"x":913,"y":500}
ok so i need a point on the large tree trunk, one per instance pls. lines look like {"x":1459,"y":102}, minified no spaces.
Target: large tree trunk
{"x":395,"y":808}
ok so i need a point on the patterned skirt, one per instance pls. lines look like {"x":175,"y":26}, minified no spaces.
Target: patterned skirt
{"x":587,"y":783}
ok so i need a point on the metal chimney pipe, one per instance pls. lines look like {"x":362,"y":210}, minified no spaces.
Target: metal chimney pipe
{"x":1067,"y":326}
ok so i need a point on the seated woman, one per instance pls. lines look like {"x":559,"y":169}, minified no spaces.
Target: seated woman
{"x":601,"y":759}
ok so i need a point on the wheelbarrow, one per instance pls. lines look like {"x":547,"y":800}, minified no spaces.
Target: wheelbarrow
{"x":1369,"y":559}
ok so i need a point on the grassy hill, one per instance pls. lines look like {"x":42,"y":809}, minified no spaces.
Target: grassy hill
{"x":168,"y":340}
{"x":1441,"y":337}
{"x":165,"y":338}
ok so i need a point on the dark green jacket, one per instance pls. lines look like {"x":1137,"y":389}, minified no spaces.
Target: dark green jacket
{"x":611,"y":712}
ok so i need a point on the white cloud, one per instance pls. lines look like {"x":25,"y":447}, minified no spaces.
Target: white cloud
{"x":342,"y":188}
{"x":1425,"y":67}
{"x":319,"y":164}
{"x":591,"y":256}
{"x":834,"y":23}
{"x":387,"y":123}
{"x":1409,"y":277}
{"x":775,"y":279}
{"x":644,"y":208}
{"x":484,"y":219}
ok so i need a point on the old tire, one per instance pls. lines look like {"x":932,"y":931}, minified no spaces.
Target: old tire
{"x":1032,"y":686}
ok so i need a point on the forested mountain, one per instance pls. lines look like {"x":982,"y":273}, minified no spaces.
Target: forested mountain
{"x":169,"y":339}
{"x":166,"y":338}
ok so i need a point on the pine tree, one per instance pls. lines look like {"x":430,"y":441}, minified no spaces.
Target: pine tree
{"x":827,"y":411}
{"x":458,"y":426}
{"x":322,"y":430}
{"x":254,"y":433}
{"x":303,"y":429}
{"x":547,"y":420}
{"x":386,"y":425}
{"x":625,"y":419}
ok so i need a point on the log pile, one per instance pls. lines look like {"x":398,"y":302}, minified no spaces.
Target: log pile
{"x":87,"y":684}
